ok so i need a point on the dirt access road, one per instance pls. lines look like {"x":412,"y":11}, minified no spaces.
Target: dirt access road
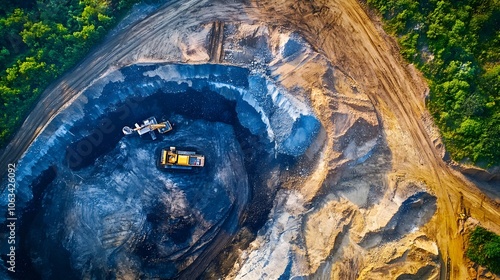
{"x":355,"y":44}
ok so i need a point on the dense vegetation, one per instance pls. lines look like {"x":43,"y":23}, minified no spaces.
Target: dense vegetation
{"x":40,"y":40}
{"x":484,"y":249}
{"x":456,"y":44}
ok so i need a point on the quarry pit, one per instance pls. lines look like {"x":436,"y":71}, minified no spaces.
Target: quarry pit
{"x":320,"y":163}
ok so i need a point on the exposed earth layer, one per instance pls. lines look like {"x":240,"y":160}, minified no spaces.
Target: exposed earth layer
{"x":322,"y":160}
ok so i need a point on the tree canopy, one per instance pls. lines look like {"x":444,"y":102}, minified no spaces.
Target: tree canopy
{"x":484,"y":249}
{"x":456,"y":45}
{"x":39,"y":41}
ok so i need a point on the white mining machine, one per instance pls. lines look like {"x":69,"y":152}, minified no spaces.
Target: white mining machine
{"x":149,"y":126}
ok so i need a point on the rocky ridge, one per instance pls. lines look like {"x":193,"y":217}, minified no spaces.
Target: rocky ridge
{"x":368,"y":200}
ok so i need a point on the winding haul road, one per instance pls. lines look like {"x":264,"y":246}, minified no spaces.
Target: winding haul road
{"x":343,"y":32}
{"x":339,"y":29}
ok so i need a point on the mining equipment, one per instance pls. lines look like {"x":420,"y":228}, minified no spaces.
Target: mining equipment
{"x":172,"y":158}
{"x":149,"y":126}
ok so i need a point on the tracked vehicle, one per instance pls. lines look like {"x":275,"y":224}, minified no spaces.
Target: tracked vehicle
{"x":173,"y":159}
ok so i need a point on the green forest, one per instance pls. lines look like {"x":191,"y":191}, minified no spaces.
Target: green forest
{"x":484,"y":249}
{"x":456,"y":45}
{"x":39,"y":41}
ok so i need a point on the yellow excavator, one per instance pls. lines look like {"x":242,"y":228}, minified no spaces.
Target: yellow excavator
{"x":149,"y":126}
{"x":172,"y":158}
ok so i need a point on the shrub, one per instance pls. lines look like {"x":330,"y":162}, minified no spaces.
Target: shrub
{"x":484,"y":249}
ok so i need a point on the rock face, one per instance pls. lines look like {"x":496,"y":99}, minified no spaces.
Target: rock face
{"x":122,"y":216}
{"x":360,"y":221}
{"x":141,"y":217}
{"x":300,"y":179}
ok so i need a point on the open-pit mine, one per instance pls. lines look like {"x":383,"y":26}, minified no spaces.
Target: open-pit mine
{"x":320,"y":159}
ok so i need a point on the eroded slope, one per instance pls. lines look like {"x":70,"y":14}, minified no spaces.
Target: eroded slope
{"x":374,"y":197}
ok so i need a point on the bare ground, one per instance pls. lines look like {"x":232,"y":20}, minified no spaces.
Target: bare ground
{"x":342,"y":32}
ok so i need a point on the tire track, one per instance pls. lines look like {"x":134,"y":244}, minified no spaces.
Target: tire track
{"x":349,"y":40}
{"x":358,"y":48}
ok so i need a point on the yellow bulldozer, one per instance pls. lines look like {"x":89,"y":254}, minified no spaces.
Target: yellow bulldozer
{"x":172,"y":158}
